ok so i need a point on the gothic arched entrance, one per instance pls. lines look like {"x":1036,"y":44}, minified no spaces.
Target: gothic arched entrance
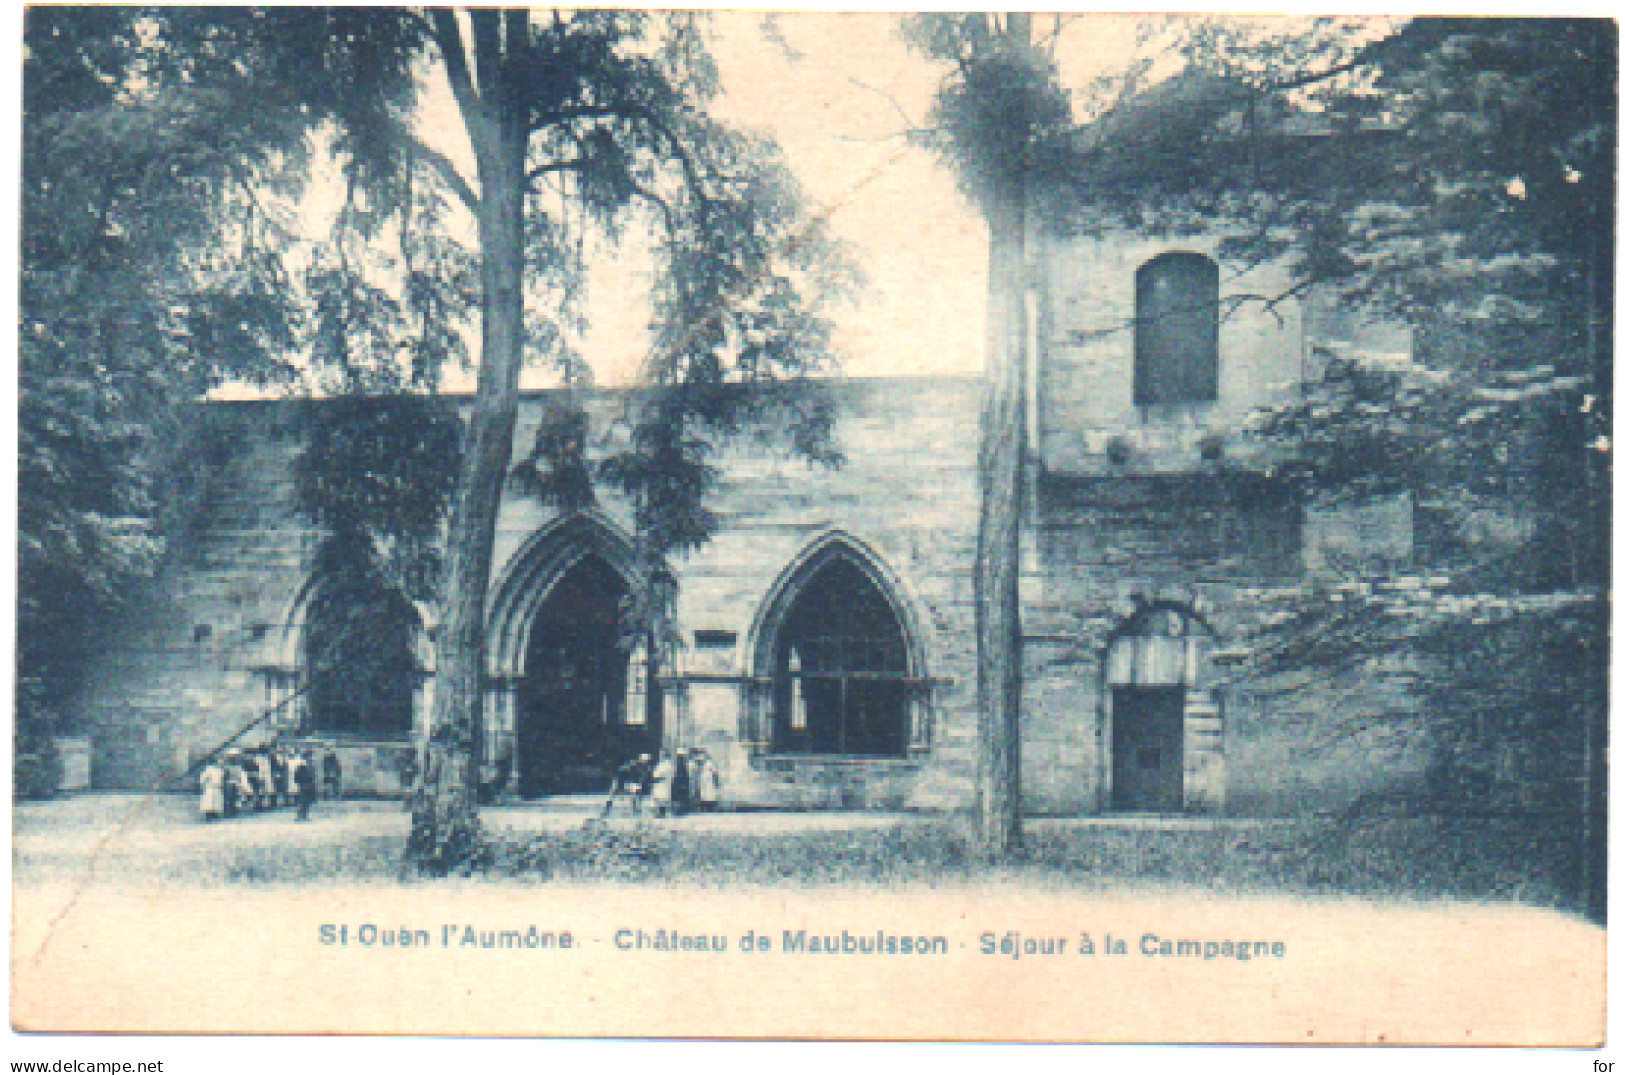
{"x":585,"y":702}
{"x":361,"y":666}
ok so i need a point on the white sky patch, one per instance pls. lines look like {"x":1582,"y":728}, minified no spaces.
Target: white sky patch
{"x":840,"y":100}
{"x":840,"y":108}
{"x":921,"y":247}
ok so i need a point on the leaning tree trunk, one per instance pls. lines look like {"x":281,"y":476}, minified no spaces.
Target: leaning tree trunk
{"x":445,"y":819}
{"x":1002,"y":467}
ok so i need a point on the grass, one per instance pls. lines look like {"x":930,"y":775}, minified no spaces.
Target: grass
{"x":908,"y":853}
{"x":1516,"y":860}
{"x":368,"y":858}
{"x":1524,"y":860}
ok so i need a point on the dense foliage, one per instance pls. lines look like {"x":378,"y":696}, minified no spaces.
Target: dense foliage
{"x":165,"y":154}
{"x":168,"y":151}
{"x":149,"y":271}
{"x":1486,"y":222}
{"x":1457,"y":177}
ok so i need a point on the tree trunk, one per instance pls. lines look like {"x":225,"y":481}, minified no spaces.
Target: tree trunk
{"x":1002,"y":470}
{"x":1599,"y":321}
{"x":445,"y":820}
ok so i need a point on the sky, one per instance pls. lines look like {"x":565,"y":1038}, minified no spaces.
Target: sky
{"x":918,"y":243}
{"x":838,"y":92}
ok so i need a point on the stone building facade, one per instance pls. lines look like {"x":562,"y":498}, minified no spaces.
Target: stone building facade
{"x":828,"y":656}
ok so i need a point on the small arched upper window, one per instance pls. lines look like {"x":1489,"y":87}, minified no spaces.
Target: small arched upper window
{"x":1176,"y":330}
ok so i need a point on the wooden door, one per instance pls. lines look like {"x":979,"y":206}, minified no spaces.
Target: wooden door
{"x":1148,"y":749}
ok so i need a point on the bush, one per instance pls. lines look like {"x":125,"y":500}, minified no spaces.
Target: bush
{"x":36,"y":767}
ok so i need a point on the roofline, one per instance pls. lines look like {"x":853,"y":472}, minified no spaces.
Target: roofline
{"x":605,"y":392}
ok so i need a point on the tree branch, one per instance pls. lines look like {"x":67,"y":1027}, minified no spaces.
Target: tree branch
{"x":637,"y":113}
{"x":665,"y":206}
{"x":448,"y":171}
{"x":1226,"y":304}
{"x":1367,"y":55}
{"x":574,"y":164}
{"x":450,"y":40}
{"x":517,"y":32}
{"x":896,"y":105}
{"x":628,"y":113}
{"x":487,"y":24}
{"x":1268,"y":302}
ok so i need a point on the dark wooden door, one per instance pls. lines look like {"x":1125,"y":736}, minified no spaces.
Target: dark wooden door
{"x":1148,"y":749}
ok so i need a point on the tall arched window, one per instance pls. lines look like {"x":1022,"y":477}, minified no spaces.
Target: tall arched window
{"x":840,"y":669}
{"x":359,"y":658}
{"x":1176,"y":330}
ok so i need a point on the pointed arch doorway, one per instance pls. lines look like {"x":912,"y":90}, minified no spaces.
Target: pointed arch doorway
{"x":585,"y":701}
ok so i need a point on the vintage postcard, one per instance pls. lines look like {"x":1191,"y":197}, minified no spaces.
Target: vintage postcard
{"x":665,"y":524}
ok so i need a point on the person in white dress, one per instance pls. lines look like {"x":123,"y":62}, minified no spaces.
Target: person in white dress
{"x":705,"y":778}
{"x":212,"y":801}
{"x":660,"y":784}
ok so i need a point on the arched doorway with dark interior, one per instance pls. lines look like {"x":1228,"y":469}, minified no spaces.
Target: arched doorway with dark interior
{"x":588,"y":699}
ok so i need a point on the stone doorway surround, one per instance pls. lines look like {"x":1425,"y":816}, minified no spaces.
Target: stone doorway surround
{"x":1162,"y":652}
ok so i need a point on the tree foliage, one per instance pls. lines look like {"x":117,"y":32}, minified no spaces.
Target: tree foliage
{"x":149,"y":272}
{"x":161,"y":268}
{"x":376,"y":473}
{"x":1455,"y":176}
{"x":166,"y":151}
{"x":1001,"y":115}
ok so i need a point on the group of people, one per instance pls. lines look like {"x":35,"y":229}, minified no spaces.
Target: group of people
{"x":676,"y":783}
{"x":241,"y":781}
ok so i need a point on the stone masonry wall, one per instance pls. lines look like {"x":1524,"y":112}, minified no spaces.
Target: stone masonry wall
{"x":190,"y":667}
{"x":187,"y":674}
{"x":181,"y":678}
{"x":1086,"y":380}
{"x":1269,"y":345}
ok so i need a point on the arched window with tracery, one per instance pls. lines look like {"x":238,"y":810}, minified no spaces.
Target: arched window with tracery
{"x":360,"y":664}
{"x":840,"y":668}
{"x":1176,"y":330}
